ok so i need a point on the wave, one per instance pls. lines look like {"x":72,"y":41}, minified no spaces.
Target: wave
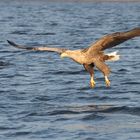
{"x":93,"y":116}
{"x":49,"y":33}
{"x":97,"y":109}
{"x":123,"y":110}
{"x":69,"y":72}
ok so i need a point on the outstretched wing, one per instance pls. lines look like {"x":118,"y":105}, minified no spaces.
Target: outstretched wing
{"x":112,"y":40}
{"x":41,"y":48}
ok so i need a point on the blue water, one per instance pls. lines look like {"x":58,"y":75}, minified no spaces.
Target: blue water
{"x":45,"y":97}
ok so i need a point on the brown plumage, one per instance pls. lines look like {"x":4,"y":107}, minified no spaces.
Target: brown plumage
{"x":93,"y":55}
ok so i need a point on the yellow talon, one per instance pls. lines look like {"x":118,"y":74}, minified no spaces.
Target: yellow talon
{"x":92,"y":83}
{"x":107,"y":81}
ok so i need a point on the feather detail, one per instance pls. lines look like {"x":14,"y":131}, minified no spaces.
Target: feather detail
{"x":113,"y":56}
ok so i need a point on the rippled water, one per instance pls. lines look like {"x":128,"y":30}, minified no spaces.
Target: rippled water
{"x":44,"y":97}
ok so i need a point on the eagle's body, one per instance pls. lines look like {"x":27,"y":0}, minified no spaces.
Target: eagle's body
{"x":93,"y":55}
{"x":83,"y":58}
{"x":78,"y":56}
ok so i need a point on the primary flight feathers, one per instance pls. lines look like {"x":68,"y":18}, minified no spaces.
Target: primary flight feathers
{"x":113,"y":39}
{"x":41,"y":48}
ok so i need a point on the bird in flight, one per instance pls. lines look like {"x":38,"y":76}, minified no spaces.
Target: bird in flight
{"x":93,"y":55}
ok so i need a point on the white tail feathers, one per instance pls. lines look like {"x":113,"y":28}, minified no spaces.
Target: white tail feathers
{"x":115,"y":57}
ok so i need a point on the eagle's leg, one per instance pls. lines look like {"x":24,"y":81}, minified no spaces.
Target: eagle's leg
{"x":89,"y":68}
{"x":104,"y":69}
{"x":92,"y":82}
{"x":107,"y":81}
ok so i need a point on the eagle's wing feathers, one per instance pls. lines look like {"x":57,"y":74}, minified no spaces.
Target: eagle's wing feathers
{"x":38,"y":48}
{"x":112,"y":40}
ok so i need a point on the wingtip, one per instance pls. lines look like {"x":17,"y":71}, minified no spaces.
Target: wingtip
{"x":19,"y":46}
{"x":11,"y":43}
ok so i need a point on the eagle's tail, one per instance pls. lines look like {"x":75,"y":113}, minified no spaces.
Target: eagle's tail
{"x":113,"y":56}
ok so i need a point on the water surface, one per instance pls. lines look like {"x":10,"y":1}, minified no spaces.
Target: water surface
{"x":44,"y":97}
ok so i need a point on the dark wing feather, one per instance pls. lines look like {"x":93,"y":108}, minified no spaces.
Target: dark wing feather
{"x":41,"y":48}
{"x":112,"y":40}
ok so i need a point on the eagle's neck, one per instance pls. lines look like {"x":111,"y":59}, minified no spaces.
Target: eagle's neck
{"x":75,"y":55}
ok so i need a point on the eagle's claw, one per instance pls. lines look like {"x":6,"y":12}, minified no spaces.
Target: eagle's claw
{"x":92,"y":83}
{"x":107,"y":82}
